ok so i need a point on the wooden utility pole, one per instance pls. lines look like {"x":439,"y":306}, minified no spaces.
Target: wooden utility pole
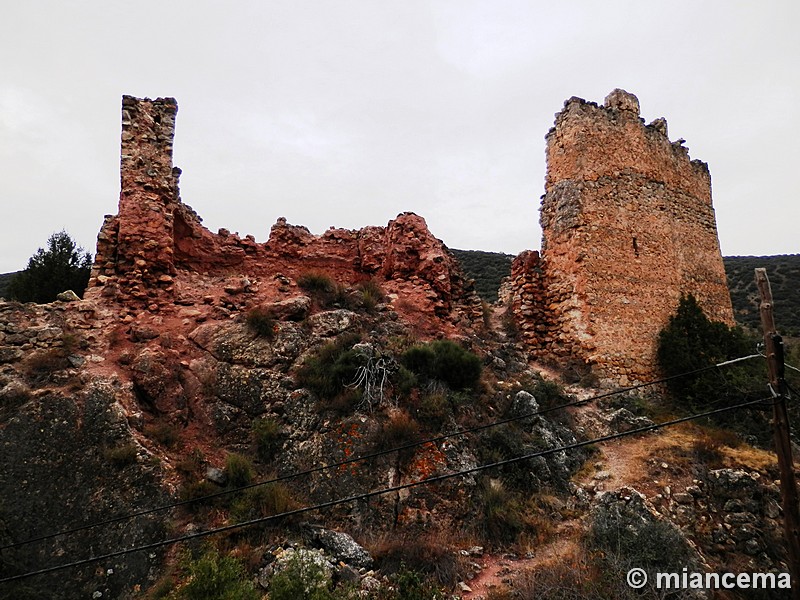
{"x":773,"y":344}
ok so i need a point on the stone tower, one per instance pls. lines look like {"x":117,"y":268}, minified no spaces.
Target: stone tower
{"x":135,"y":247}
{"x":628,"y":226}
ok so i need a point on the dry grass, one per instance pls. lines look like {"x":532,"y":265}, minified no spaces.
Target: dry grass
{"x":433,"y":554}
{"x":731,"y":451}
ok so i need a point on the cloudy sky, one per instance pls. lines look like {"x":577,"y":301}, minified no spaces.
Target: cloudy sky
{"x":347,"y":113}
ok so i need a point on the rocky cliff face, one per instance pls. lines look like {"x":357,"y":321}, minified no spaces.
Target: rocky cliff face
{"x":71,"y":455}
{"x":103,"y":416}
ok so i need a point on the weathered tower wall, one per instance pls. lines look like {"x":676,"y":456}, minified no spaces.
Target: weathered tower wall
{"x":628,"y":226}
{"x":135,"y":247}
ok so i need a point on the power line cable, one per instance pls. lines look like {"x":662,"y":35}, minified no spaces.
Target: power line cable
{"x":785,"y":364}
{"x":373,"y":455}
{"x":373,"y":493}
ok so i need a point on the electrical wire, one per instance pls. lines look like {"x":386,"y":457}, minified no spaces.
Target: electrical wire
{"x":373,"y":455}
{"x":373,"y":493}
{"x":785,"y":364}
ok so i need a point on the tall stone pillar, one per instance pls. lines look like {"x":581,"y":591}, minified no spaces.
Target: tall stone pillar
{"x":135,"y":248}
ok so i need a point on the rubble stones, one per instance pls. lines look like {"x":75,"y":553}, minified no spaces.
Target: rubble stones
{"x":215,"y":475}
{"x":623,"y":420}
{"x":332,"y":322}
{"x":291,"y":309}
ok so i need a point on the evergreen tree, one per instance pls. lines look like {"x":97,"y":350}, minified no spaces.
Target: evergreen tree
{"x":691,"y":341}
{"x":62,"y":266}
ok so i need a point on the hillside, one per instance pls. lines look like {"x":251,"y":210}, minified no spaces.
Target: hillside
{"x":487,"y":269}
{"x":784,"y":277}
{"x":209,"y":395}
{"x":246,"y":379}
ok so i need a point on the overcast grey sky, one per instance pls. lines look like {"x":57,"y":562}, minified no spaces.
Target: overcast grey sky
{"x":347,"y":113}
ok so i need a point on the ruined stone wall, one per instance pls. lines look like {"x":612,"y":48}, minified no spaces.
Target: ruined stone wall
{"x":628,"y":227}
{"x":149,"y":254}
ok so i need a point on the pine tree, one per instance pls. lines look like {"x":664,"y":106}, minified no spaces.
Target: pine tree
{"x":62,"y":266}
{"x":691,"y":341}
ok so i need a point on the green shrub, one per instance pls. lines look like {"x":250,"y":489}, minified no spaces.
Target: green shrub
{"x":121,"y":456}
{"x":370,"y":294}
{"x":690,"y":341}
{"x":410,"y":585}
{"x":399,"y":430}
{"x":403,"y":381}
{"x":574,"y":578}
{"x":63,"y":266}
{"x":435,"y":408}
{"x":426,"y":556}
{"x":323,"y":290}
{"x":261,"y":322}
{"x":549,"y":395}
{"x":444,"y":361}
{"x":345,"y":402}
{"x":301,"y":579}
{"x":191,"y":464}
{"x":197,"y":490}
{"x":215,"y":577}
{"x":509,"y":441}
{"x":314,"y":283}
{"x":239,"y":470}
{"x":266,"y":435}
{"x":333,"y":367}
{"x":420,"y":360}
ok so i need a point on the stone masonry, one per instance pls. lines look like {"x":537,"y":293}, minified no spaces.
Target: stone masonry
{"x":155,"y":252}
{"x":628,"y":226}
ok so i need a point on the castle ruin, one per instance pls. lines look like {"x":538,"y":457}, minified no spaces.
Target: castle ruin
{"x":627,"y":228}
{"x":627,"y":220}
{"x":155,"y":253}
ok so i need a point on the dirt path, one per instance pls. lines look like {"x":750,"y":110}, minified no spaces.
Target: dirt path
{"x":620,"y":463}
{"x":497,"y":570}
